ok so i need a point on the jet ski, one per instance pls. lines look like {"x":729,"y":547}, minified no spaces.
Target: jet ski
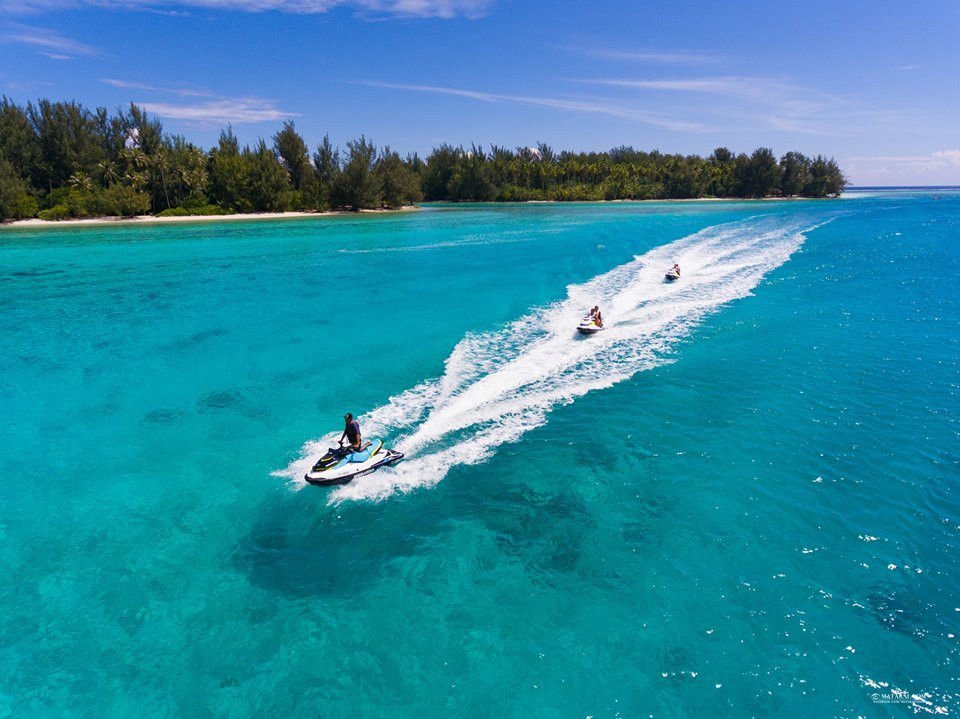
{"x":671,"y":275}
{"x":337,"y":467}
{"x":588,"y":326}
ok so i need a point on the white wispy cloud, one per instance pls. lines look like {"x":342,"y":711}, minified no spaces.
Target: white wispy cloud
{"x":126,"y":84}
{"x":133,"y":85}
{"x":951,"y":157}
{"x":736,"y":86}
{"x":761,"y":101}
{"x":221,"y":111}
{"x":938,"y":167}
{"x":907,"y":68}
{"x":686,"y":57}
{"x":938,"y":160}
{"x":210,"y":110}
{"x":600,"y":107}
{"x":46,"y":42}
{"x":168,"y":13}
{"x":390,"y":8}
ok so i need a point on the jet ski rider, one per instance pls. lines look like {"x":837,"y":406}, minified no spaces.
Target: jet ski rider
{"x":351,"y":431}
{"x":597,"y":317}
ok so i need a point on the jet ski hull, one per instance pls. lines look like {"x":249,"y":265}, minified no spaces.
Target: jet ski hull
{"x":332,"y":470}
{"x":671,"y":276}
{"x":588,"y":326}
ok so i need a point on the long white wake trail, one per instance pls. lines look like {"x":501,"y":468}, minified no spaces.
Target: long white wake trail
{"x":498,"y":385}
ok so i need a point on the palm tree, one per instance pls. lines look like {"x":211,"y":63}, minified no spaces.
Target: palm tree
{"x":108,"y":172}
{"x":134,"y":157}
{"x":197,"y":179}
{"x":160,"y":162}
{"x":80,"y":180}
{"x":136,"y":180}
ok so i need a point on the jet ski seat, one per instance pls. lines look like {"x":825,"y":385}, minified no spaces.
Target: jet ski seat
{"x":361,"y":455}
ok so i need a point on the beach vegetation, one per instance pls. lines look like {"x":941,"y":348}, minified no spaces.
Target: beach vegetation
{"x":358,"y":186}
{"x":119,"y":200}
{"x":757,"y":175}
{"x":57,"y":212}
{"x":199,"y":211}
{"x":268,"y":186}
{"x":61,"y":160}
{"x":16,"y":202}
{"x":295,"y":157}
{"x":399,"y":183}
{"x":326,"y":166}
{"x":824,"y":178}
{"x":229,"y":177}
{"x":794,"y":174}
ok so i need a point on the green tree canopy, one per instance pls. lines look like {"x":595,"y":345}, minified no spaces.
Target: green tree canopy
{"x":794,"y":173}
{"x":294,"y":155}
{"x":63,"y":160}
{"x":357,"y":186}
{"x":269,"y":182}
{"x":400,"y":183}
{"x":229,"y":175}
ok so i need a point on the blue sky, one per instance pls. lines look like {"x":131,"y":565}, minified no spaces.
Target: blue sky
{"x":872,"y":84}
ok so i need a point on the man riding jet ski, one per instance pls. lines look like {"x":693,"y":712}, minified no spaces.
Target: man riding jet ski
{"x":592,"y":323}
{"x":344,"y":462}
{"x":673,"y":273}
{"x":351,"y":431}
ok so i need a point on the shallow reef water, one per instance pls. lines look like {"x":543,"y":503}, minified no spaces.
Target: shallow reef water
{"x":740,"y":499}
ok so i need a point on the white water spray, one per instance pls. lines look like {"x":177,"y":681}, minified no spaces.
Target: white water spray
{"x":498,"y":385}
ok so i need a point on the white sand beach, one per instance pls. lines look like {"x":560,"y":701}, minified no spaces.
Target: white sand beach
{"x":153,"y":219}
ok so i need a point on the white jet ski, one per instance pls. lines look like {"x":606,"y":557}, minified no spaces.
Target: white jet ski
{"x":339,"y":467}
{"x":671,"y":275}
{"x":588,"y":326}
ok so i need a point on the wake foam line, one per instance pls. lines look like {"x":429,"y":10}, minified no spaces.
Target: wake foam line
{"x":498,"y":385}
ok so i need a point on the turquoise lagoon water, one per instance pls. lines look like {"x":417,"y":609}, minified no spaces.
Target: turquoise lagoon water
{"x":739,"y":500}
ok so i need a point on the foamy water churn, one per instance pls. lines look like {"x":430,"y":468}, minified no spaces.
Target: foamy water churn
{"x":498,"y":385}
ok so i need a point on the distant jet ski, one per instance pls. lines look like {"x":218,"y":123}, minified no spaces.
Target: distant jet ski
{"x":588,"y":326}
{"x":672,"y":274}
{"x":335,"y":467}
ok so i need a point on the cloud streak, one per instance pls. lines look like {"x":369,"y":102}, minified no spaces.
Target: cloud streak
{"x":211,"y":109}
{"x":736,"y":86}
{"x":47,"y":43}
{"x":379,"y":8}
{"x":941,"y":167}
{"x":951,"y":157}
{"x":767,"y":101}
{"x":132,"y":85}
{"x":600,"y":107}
{"x":685,"y":57}
{"x":221,"y":111}
{"x":938,"y":160}
{"x":126,"y":84}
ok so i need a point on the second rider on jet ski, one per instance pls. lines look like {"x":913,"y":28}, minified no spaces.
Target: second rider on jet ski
{"x":597,"y":317}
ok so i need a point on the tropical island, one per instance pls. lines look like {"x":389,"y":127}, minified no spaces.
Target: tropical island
{"x":60,"y":160}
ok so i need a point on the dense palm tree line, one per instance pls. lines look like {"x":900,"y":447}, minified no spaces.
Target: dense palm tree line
{"x":61,"y":160}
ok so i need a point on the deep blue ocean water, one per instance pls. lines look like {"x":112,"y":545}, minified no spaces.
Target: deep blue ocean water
{"x":739,"y":500}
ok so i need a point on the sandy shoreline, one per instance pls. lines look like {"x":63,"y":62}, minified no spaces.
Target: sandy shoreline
{"x":154,"y":220}
{"x":241,"y":217}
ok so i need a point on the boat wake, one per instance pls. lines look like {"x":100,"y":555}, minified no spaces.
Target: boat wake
{"x":498,"y":385}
